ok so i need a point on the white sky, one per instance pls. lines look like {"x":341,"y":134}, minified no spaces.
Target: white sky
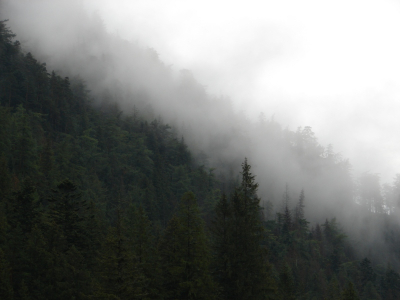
{"x":332,"y":65}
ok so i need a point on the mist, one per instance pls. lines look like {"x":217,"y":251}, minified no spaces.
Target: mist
{"x":210,"y":72}
{"x":331,"y":66}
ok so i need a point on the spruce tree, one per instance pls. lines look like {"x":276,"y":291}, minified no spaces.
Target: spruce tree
{"x":286,"y":284}
{"x":6,"y":289}
{"x":349,"y":293}
{"x":333,"y":289}
{"x":245,"y":270}
{"x":367,"y":272}
{"x":117,"y":272}
{"x":68,"y":212}
{"x":222,"y":245}
{"x":185,"y":254}
{"x":390,"y":284}
{"x":140,"y":240}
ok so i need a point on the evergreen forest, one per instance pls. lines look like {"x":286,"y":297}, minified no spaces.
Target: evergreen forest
{"x":102,"y":202}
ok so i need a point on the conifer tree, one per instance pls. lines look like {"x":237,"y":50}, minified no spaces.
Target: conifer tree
{"x":246,"y":268}
{"x":349,"y":293}
{"x":40,"y":281}
{"x":222,"y":245}
{"x":300,"y":222}
{"x":116,"y":269}
{"x":25,"y":207}
{"x":287,"y":223}
{"x":369,"y":292}
{"x":334,"y":289}
{"x":286,"y":284}
{"x":390,"y":284}
{"x":24,"y":148}
{"x":6,"y":289}
{"x":69,"y":212}
{"x":145,"y":257}
{"x":185,"y":254}
{"x":367,"y":273}
{"x":22,"y":215}
{"x":299,"y":212}
{"x":46,"y":159}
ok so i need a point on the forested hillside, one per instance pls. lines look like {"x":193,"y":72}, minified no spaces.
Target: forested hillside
{"x":96,"y":203}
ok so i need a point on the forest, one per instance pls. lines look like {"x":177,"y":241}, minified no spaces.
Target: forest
{"x":100,"y":198}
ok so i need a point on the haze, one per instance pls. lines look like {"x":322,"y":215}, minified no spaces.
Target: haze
{"x":331,"y":65}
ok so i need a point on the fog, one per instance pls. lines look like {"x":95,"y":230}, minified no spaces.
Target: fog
{"x":331,"y":65}
{"x":209,"y":70}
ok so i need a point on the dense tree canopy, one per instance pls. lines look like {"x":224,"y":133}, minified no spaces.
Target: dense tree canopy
{"x":100,"y":204}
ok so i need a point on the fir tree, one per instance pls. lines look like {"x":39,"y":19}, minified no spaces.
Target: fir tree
{"x":6,"y":289}
{"x":68,"y":212}
{"x":367,"y":273}
{"x":222,"y":245}
{"x":116,"y":268}
{"x":145,"y":257}
{"x":246,"y":274}
{"x":185,"y":255}
{"x":349,"y":293}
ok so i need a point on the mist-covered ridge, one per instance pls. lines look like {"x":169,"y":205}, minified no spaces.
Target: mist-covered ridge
{"x":75,"y":43}
{"x":97,"y":159}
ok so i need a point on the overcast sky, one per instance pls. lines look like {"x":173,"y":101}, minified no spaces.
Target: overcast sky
{"x":331,"y":65}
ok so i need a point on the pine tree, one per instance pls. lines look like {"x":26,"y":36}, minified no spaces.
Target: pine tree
{"x":287,"y":224}
{"x":390,"y":284}
{"x":24,"y":148}
{"x":334,"y":289}
{"x":5,"y":179}
{"x":68,"y":212}
{"x":367,"y":273}
{"x":6,"y":289}
{"x":222,"y":245}
{"x":25,"y":207}
{"x":116,"y":268}
{"x":22,"y":216}
{"x":41,"y":281}
{"x":349,"y":293}
{"x":185,"y":254}
{"x":299,"y":212}
{"x":145,"y":257}
{"x":300,"y":222}
{"x":370,"y":292}
{"x":286,"y":284}
{"x":246,"y":268}
{"x":46,"y":159}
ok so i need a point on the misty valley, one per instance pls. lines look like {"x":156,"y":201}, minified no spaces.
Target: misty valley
{"x":121,"y":179}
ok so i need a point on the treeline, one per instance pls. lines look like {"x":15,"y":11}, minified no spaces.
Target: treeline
{"x":95,"y":204}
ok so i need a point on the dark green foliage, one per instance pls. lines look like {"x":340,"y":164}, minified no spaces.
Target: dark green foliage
{"x":116,"y":266}
{"x":349,"y":293}
{"x":286,"y":284}
{"x":242,"y":268}
{"x":367,"y":273}
{"x":24,"y":207}
{"x":390,"y":284}
{"x":49,"y":132}
{"x":222,"y":245}
{"x":141,"y":241}
{"x":119,"y":227}
{"x":369,"y":292}
{"x":334,"y":292}
{"x":6,"y":289}
{"x":24,"y":158}
{"x":67,"y":213}
{"x":185,"y":254}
